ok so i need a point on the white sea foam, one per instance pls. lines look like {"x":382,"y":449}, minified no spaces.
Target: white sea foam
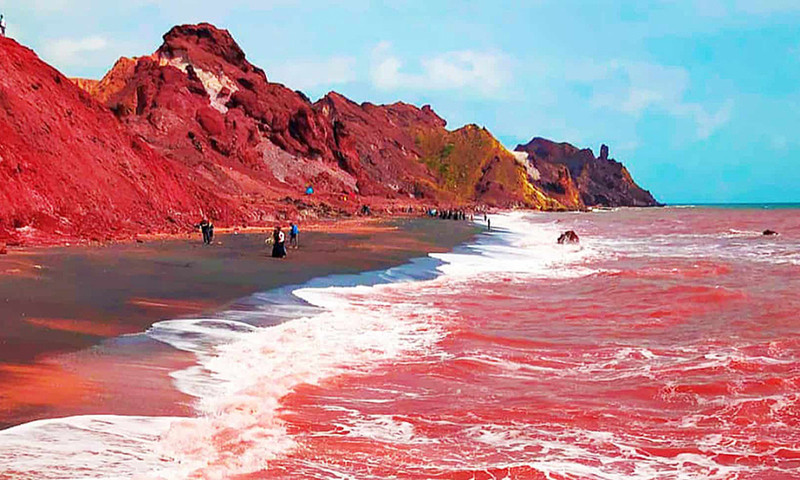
{"x":732,"y":245}
{"x":572,"y":452}
{"x":524,"y":245}
{"x":105,"y":447}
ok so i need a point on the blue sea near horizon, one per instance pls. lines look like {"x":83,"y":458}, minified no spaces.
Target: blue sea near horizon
{"x":739,"y":206}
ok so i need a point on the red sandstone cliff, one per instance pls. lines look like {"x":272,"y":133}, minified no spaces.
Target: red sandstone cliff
{"x":577,"y":178}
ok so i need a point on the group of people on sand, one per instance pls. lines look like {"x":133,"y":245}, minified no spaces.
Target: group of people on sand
{"x":450,"y":214}
{"x":277,"y":238}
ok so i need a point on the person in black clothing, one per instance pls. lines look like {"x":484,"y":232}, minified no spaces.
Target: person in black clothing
{"x":278,"y":243}
{"x":207,"y":230}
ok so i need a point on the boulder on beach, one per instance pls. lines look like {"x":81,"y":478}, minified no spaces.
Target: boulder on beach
{"x":568,"y":237}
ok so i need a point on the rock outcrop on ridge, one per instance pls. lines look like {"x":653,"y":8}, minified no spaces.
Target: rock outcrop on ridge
{"x":578,"y":179}
{"x":194,"y":130}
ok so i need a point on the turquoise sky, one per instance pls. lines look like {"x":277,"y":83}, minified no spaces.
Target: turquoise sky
{"x":700,"y":99}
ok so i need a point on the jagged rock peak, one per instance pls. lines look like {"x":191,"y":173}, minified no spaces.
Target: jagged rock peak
{"x":546,"y":149}
{"x":199,"y":41}
{"x":603,"y":152}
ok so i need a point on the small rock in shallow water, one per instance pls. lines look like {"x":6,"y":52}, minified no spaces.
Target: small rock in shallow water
{"x":568,"y":237}
{"x":769,"y":232}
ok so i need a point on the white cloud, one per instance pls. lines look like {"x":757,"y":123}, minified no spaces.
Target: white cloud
{"x":72,"y":52}
{"x":635,"y":87}
{"x":312,"y":73}
{"x":707,"y":122}
{"x":484,"y":72}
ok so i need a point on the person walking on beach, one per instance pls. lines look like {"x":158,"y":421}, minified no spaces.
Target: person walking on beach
{"x":488,"y":224}
{"x":293,"y":233}
{"x":207,"y":230}
{"x":278,"y":243}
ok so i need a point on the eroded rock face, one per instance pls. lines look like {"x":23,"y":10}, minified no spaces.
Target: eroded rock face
{"x":199,"y":101}
{"x":409,"y":150}
{"x":375,"y":143}
{"x":596,"y":181}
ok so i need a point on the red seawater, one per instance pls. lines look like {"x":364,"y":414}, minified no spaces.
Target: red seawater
{"x":666,"y":345}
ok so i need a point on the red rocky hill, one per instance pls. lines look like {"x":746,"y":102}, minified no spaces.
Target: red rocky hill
{"x":69,"y":169}
{"x":195,"y":130}
{"x":198,"y":100}
{"x":577,"y":178}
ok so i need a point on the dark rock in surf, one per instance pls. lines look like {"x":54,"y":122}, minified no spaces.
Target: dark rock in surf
{"x":769,"y":232}
{"x":568,"y":237}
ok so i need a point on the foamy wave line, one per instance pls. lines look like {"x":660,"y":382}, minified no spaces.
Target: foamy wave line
{"x":72,"y":447}
{"x":567,"y":453}
{"x":244,"y":371}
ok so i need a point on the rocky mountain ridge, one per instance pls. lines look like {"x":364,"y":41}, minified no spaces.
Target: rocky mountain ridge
{"x":195,"y":130}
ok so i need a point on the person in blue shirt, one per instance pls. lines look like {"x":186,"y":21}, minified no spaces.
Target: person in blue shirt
{"x":293,"y":233}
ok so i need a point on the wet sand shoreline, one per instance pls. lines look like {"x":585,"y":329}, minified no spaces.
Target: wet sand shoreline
{"x":62,"y":306}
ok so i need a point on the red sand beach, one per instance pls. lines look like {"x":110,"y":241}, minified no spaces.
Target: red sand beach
{"x":63,"y":307}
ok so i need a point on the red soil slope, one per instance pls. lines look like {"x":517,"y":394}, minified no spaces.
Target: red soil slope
{"x":69,"y":169}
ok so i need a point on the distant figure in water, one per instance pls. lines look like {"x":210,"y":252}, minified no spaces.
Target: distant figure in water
{"x":207,"y":229}
{"x":2,"y":26}
{"x":278,"y":243}
{"x":488,"y":223}
{"x":568,"y":237}
{"x":293,"y":233}
{"x":769,"y":232}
